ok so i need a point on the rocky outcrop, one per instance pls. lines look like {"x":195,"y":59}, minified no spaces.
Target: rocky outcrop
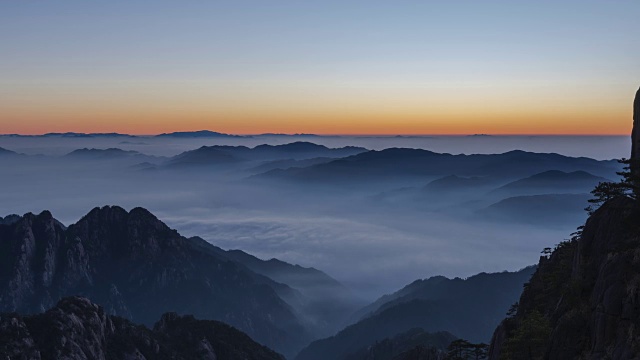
{"x":76,"y":328}
{"x":135,"y":266}
{"x":635,"y":135}
{"x":583,"y":302}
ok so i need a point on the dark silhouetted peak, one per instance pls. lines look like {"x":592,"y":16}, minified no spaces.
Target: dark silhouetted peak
{"x":134,"y":265}
{"x":76,"y":328}
{"x":635,"y":132}
{"x":105,"y":213}
{"x":79,"y":306}
{"x":9,"y":219}
{"x":583,"y":295}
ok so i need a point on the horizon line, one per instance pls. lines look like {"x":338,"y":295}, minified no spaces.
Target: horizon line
{"x":307,"y":134}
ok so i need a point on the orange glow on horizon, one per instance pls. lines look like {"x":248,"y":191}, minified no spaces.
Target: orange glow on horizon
{"x":148,"y":111}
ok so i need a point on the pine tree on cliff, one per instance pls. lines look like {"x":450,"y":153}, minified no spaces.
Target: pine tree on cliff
{"x":635,"y":143}
{"x":630,"y":183}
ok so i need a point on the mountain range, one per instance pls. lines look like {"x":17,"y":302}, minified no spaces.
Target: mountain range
{"x":402,"y":162}
{"x":469,"y":308}
{"x":135,"y":266}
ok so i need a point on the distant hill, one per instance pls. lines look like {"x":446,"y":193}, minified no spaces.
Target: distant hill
{"x":549,"y":209}
{"x":552,"y":182}
{"x":469,"y":308}
{"x":5,"y":152}
{"x":198,"y":134}
{"x":78,"y":329}
{"x":206,"y":155}
{"x":402,"y":162}
{"x":224,"y":155}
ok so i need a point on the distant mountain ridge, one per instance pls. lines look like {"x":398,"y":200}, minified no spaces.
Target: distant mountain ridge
{"x":198,"y":134}
{"x":229,"y":155}
{"x":420,"y":163}
{"x":549,"y":209}
{"x":551,"y":181}
{"x":4,"y":151}
{"x":468,"y":308}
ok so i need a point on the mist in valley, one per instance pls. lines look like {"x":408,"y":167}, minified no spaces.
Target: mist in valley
{"x":374,"y":229}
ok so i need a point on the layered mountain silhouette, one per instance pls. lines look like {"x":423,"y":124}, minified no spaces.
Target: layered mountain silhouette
{"x":136,"y":267}
{"x":582,"y":302}
{"x":543,"y":210}
{"x":5,"y":152}
{"x":227,"y":155}
{"x":469,"y":308}
{"x":325,"y":302}
{"x":402,"y":162}
{"x":76,"y":328}
{"x":552,"y":182}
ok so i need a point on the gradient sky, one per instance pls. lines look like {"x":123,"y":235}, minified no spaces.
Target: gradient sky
{"x":330,"y":67}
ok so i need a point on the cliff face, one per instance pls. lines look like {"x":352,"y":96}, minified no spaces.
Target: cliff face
{"x":583,"y":302}
{"x":135,"y":266}
{"x":78,"y":329}
{"x":635,"y":134}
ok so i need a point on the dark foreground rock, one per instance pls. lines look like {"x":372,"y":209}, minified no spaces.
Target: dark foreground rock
{"x":79,"y":329}
{"x":583,"y":302}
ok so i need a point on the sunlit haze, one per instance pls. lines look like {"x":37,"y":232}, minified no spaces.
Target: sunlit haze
{"x":324,"y":67}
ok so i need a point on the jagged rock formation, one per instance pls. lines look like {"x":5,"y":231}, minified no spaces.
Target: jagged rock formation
{"x":79,"y":329}
{"x":635,"y":139}
{"x":135,"y":266}
{"x":583,"y":302}
{"x":635,"y":134}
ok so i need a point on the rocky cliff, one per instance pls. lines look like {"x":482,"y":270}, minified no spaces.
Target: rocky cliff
{"x":583,"y":302}
{"x":135,"y":266}
{"x":79,"y":329}
{"x":635,"y":134}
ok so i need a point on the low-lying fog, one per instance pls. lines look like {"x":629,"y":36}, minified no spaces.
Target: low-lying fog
{"x":375,"y":235}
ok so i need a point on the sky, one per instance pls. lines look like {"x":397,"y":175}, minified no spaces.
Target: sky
{"x":325,"y":67}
